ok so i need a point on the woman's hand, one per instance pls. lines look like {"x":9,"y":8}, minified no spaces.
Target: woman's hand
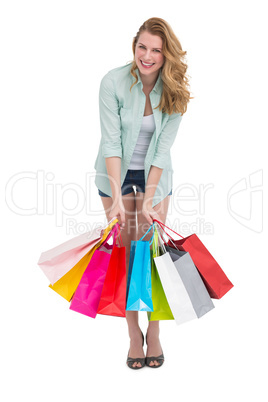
{"x":118,"y":211}
{"x":150,"y":213}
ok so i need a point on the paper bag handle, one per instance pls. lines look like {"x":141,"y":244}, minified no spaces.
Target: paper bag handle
{"x":162,"y":227}
{"x":151,"y":239}
{"x":116,"y":229}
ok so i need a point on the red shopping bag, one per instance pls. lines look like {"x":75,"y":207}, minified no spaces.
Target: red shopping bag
{"x":212,"y":274}
{"x":113,"y":296}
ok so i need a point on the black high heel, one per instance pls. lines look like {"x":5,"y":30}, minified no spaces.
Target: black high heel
{"x":131,"y":361}
{"x":160,"y":359}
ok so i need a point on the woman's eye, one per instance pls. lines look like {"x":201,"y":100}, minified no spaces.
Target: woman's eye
{"x":143,"y":47}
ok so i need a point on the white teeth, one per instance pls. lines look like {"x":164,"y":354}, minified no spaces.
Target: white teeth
{"x":147,"y":64}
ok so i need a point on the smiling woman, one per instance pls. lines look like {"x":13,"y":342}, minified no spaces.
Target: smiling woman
{"x":156,"y":37}
{"x":148,"y":54}
{"x":141,"y":106}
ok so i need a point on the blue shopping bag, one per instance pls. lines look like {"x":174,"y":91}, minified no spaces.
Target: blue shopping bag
{"x":130,"y":265}
{"x":139,"y":285}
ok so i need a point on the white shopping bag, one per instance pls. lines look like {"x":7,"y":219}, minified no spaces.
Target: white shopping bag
{"x":175,"y":291}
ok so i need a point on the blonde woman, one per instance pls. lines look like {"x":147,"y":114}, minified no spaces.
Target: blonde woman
{"x":141,"y":107}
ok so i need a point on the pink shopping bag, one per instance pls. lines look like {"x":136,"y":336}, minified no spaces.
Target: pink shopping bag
{"x":88,"y":293}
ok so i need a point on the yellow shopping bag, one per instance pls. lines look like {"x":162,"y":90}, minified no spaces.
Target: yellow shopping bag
{"x":67,"y":285}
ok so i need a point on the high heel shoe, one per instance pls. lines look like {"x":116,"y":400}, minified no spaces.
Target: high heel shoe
{"x":131,"y":361}
{"x":160,"y":359}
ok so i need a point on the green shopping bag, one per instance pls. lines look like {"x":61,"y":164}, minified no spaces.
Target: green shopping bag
{"x":160,"y":304}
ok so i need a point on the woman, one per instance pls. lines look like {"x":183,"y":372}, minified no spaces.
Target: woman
{"x":141,"y":106}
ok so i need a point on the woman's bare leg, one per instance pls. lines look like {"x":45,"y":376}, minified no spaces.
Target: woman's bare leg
{"x":129,"y":233}
{"x":154,"y":346}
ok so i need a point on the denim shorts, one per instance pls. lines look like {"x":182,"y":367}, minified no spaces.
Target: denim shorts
{"x":133,"y":178}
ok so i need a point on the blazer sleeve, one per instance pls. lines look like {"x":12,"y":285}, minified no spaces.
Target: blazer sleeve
{"x":165,"y":140}
{"x":109,"y":118}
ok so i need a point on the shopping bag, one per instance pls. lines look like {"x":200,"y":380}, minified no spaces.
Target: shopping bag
{"x":133,"y":245}
{"x":161,"y":309}
{"x":139,"y":296}
{"x":67,"y":285}
{"x":113,"y":296}
{"x":56,"y":262}
{"x":192,"y":281}
{"x":215,"y":280}
{"x":88,"y":293}
{"x":175,"y":291}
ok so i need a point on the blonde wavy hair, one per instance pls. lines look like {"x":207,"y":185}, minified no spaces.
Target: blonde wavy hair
{"x":176,"y":94}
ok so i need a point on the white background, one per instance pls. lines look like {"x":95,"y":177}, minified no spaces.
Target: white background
{"x":53,"y":56}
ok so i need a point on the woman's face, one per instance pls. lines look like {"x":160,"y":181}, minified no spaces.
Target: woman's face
{"x":148,"y":53}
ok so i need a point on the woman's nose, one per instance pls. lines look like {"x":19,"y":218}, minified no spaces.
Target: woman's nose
{"x":148,"y":54}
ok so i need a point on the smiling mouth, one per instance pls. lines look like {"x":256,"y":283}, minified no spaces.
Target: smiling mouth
{"x":146,"y":65}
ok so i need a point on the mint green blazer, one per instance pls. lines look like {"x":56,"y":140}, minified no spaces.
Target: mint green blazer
{"x":121,"y":113}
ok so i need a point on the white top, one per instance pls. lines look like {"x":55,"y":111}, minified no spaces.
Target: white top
{"x":145,"y":135}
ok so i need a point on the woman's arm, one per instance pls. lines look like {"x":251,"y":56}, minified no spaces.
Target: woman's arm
{"x":151,"y":185}
{"x":111,"y":143}
{"x":165,"y":140}
{"x":109,"y":119}
{"x":164,"y":143}
{"x":113,"y":166}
